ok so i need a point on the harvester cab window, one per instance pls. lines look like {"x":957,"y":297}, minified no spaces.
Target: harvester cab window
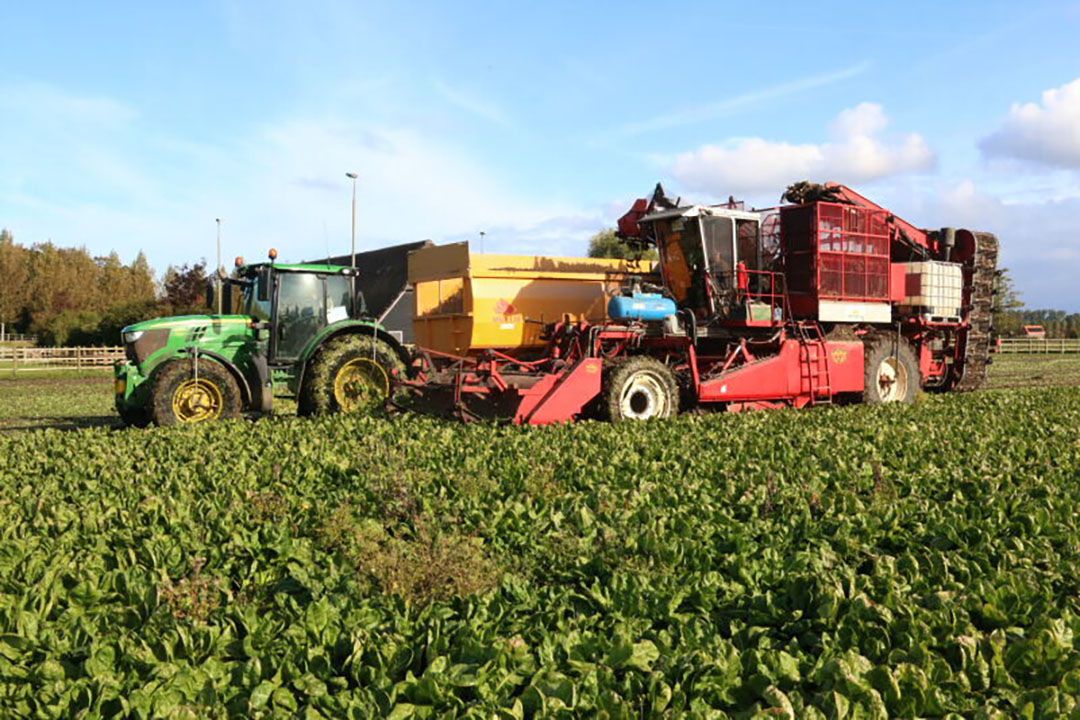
{"x":301,"y":312}
{"x":676,"y":267}
{"x":718,"y":238}
{"x":748,"y":244}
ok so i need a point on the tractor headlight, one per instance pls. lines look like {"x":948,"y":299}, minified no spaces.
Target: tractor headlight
{"x":130,"y":337}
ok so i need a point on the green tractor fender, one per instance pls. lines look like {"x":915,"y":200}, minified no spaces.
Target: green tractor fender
{"x":339,"y":329}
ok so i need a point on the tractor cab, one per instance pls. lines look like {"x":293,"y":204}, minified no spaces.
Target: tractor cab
{"x":712,"y":258}
{"x":294,"y":302}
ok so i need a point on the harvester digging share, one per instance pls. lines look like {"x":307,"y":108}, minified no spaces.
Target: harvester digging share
{"x":829,"y":298}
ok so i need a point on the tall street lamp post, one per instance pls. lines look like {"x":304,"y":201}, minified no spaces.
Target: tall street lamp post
{"x":217,"y":270}
{"x":352,"y":252}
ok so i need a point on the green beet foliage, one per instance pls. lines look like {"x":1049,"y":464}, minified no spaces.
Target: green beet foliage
{"x":844,"y":562}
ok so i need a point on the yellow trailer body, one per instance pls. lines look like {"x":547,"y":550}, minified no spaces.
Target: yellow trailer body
{"x":469,"y":301}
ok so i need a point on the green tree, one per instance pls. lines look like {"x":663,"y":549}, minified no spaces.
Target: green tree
{"x":1007,"y":304}
{"x":606,"y":244}
{"x":185,"y":287}
{"x":141,"y":285}
{"x":14,"y":273}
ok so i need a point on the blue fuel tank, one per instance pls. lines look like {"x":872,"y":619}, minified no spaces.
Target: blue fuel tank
{"x":641,"y":306}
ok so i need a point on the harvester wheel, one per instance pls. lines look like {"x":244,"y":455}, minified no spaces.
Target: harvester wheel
{"x":350,"y":374}
{"x":640,"y":388}
{"x":892,"y":371}
{"x":183,"y":393}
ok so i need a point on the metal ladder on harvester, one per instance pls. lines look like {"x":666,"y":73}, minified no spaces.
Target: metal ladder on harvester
{"x":814,"y":361}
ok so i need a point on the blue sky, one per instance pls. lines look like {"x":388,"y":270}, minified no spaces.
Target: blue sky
{"x":132,"y":126}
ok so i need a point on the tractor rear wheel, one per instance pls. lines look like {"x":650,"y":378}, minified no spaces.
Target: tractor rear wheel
{"x":892,"y":371}
{"x":189,"y":391}
{"x":640,"y":388}
{"x":350,"y":374}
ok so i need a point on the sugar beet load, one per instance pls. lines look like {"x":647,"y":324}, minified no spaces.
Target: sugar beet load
{"x":829,"y":298}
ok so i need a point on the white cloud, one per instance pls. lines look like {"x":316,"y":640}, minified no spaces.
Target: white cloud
{"x":281,"y":185}
{"x":856,"y":152}
{"x":1037,"y":238}
{"x":1045,"y":134}
{"x":410,"y":187}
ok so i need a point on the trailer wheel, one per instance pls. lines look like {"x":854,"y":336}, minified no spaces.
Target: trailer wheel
{"x":350,"y":374}
{"x":640,"y":388}
{"x":892,"y":373}
{"x":184,"y":393}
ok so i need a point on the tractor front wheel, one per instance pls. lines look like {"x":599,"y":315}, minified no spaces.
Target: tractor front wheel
{"x":189,"y":391}
{"x":892,"y":372}
{"x":351,"y":374}
{"x":640,"y":388}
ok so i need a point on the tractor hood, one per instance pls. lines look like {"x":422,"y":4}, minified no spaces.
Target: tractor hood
{"x":214,"y":323}
{"x":157,"y":339}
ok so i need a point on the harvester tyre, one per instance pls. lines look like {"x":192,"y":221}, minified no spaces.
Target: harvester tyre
{"x":350,"y":374}
{"x":639,"y":388}
{"x":891,"y":371}
{"x":189,"y":391}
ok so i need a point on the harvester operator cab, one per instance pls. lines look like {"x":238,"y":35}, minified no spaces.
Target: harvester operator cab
{"x":707,"y":258}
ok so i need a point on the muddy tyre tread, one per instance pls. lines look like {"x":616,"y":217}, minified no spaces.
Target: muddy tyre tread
{"x":169,"y":376}
{"x":317,"y":395}
{"x":621,"y":372}
{"x":878,"y":349}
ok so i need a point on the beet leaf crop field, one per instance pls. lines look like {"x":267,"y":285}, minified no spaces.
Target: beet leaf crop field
{"x":918,"y":561}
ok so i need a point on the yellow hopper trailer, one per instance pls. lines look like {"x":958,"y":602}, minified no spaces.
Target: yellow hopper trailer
{"x":468,"y":301}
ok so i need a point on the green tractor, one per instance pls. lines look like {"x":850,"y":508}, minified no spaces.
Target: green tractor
{"x":301,"y":329}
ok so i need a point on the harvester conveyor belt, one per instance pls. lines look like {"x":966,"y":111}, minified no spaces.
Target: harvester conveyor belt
{"x":977,"y":345}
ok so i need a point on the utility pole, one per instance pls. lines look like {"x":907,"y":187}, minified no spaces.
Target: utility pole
{"x":482,"y":234}
{"x":217,"y":270}
{"x":352,"y":252}
{"x":352,"y":257}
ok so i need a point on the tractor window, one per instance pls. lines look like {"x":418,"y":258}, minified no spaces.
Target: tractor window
{"x":338,"y":304}
{"x":301,"y":312}
{"x":252,"y":305}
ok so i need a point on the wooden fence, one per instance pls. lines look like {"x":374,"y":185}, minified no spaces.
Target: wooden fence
{"x":68,"y":358}
{"x":17,"y":338}
{"x":1040,"y":345}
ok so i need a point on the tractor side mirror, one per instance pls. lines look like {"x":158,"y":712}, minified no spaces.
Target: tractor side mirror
{"x":211,"y":292}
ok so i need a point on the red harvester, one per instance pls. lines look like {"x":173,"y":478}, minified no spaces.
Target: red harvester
{"x":829,"y":298}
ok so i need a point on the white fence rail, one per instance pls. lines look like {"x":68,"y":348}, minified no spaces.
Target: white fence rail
{"x":68,"y":358}
{"x":1040,"y":345}
{"x":17,"y":337}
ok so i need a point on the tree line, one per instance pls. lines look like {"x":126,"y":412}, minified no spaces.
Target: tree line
{"x":66,"y":296}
